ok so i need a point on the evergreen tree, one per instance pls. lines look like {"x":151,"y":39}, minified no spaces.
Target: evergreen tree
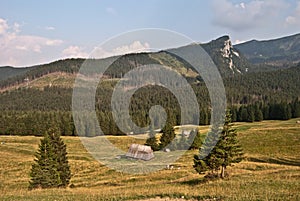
{"x":226,"y":151}
{"x":296,"y":108}
{"x":250,"y":117}
{"x":203,"y":117}
{"x":152,"y":141}
{"x":60,"y":150}
{"x":234,"y":114}
{"x":182,"y":142}
{"x":243,"y":114}
{"x":258,"y":113}
{"x":287,"y":114}
{"x":206,"y":160}
{"x":167,"y":137}
{"x":266,"y":112}
{"x":51,"y":168}
{"x":194,"y":139}
{"x":43,"y":171}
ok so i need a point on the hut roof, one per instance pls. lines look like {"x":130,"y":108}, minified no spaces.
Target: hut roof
{"x":139,"y":151}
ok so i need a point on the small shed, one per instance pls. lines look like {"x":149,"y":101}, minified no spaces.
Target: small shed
{"x":139,"y":151}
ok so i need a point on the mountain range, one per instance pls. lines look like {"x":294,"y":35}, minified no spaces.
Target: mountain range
{"x":37,"y":97}
{"x":235,"y":63}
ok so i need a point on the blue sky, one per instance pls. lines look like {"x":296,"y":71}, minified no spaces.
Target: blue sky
{"x":33,"y":32}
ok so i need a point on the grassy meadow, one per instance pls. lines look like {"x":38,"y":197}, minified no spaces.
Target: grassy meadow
{"x":271,"y":170}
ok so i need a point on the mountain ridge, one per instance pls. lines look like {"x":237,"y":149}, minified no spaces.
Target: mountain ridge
{"x":280,"y":52}
{"x":231,"y":60}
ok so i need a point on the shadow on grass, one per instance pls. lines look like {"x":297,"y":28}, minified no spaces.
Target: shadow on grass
{"x":194,"y":182}
{"x":279,"y":161}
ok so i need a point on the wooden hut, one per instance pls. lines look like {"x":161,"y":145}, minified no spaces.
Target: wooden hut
{"x":142,"y":152}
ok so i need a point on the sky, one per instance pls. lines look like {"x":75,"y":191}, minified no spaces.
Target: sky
{"x":34,"y":32}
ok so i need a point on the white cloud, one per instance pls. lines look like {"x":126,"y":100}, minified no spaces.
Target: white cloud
{"x":134,"y":47}
{"x":248,"y":15}
{"x":49,"y":28}
{"x":74,"y":52}
{"x":294,"y":19}
{"x":242,"y":5}
{"x":53,"y":42}
{"x":21,"y":50}
{"x":99,"y":52}
{"x":18,"y":47}
{"x":3,"y":26}
{"x":111,"y":11}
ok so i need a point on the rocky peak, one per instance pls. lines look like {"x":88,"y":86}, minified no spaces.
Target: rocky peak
{"x":227,"y":58}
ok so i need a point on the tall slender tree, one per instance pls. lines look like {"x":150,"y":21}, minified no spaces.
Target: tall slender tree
{"x":182,"y":143}
{"x":152,"y":140}
{"x":194,"y":139}
{"x":51,"y":168}
{"x":168,"y":134}
{"x":226,"y":152}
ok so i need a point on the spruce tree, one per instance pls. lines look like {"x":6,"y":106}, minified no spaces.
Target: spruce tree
{"x":243,"y":114}
{"x":60,"y":150}
{"x":296,"y":109}
{"x":182,"y":142}
{"x":226,"y":152}
{"x":258,"y":114}
{"x":51,"y":168}
{"x":152,"y":141}
{"x":194,"y":139}
{"x":206,"y":160}
{"x":251,"y":114}
{"x":43,"y":171}
{"x":168,"y":134}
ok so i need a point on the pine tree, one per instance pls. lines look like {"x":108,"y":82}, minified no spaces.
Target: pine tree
{"x":226,"y":151}
{"x":194,"y":139}
{"x":152,"y":141}
{"x":266,"y":112}
{"x":251,"y":114}
{"x":243,"y":114}
{"x":167,"y":137}
{"x":43,"y":171}
{"x":206,"y":160}
{"x":182,"y":142}
{"x":258,"y":114}
{"x":60,"y":150}
{"x":296,"y":109}
{"x":51,"y":168}
{"x":234,"y":114}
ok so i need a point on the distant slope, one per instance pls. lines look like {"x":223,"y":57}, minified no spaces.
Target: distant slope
{"x":54,"y":92}
{"x":280,"y":52}
{"x":17,"y":76}
{"x":7,"y":72}
{"x":228,"y":60}
{"x":231,"y":61}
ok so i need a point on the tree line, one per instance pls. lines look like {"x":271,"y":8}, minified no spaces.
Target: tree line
{"x":38,"y":122}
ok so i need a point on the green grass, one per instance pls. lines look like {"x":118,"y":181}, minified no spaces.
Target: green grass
{"x":271,"y":170}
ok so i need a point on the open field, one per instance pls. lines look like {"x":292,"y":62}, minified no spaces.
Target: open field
{"x":271,"y":171}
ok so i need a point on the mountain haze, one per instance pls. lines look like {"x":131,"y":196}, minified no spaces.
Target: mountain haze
{"x":281,"y":52}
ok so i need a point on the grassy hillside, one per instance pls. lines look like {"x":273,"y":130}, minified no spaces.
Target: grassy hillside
{"x":270,"y":172}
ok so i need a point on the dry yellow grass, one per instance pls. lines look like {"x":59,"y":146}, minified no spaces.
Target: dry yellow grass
{"x":271,"y":171}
